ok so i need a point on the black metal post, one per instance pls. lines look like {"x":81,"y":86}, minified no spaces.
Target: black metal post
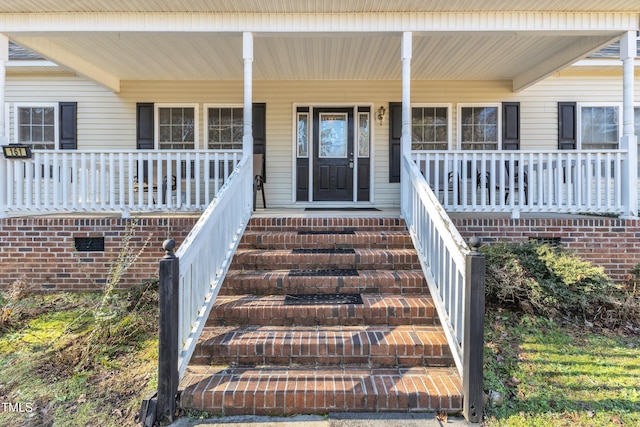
{"x":168,"y":335}
{"x":473,"y":338}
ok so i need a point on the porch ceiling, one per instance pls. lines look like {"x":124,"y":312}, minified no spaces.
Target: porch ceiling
{"x":313,"y":56}
{"x":312,"y":6}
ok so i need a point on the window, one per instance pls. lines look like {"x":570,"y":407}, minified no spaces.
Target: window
{"x":177,"y":127}
{"x":430,"y":128}
{"x":599,"y":127}
{"x":36,"y":125}
{"x":636,"y":121}
{"x":479,"y":127}
{"x":225,"y":128}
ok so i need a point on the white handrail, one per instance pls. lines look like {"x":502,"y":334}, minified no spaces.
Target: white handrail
{"x":57,"y":181}
{"x":206,"y":254}
{"x":442,"y":252}
{"x":557,"y":181}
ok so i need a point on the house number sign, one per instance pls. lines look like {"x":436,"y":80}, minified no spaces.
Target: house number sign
{"x":16,"y":151}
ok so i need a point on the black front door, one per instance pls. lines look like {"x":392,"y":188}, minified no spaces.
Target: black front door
{"x":333,"y":154}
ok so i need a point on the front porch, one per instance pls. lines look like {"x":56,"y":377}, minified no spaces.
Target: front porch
{"x":138,"y":182}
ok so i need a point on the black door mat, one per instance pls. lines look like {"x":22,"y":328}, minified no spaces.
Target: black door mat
{"x":342,"y":209}
{"x":336,"y":272}
{"x":340,"y":251}
{"x":318,"y":299}
{"x":313,"y":232}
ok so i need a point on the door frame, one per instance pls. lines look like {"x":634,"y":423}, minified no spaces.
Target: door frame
{"x":294,"y":155}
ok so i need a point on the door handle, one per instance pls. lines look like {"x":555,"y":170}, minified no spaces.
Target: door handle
{"x":351,"y":160}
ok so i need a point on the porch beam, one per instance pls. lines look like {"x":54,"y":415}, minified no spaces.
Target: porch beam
{"x":405,"y":139}
{"x":68,"y":59}
{"x":560,"y":60}
{"x":16,"y":24}
{"x":628,"y":53}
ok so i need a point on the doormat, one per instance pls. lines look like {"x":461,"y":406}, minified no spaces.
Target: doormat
{"x":313,"y":232}
{"x":336,"y":272}
{"x":318,"y":299}
{"x":342,"y":209}
{"x":338,"y":251}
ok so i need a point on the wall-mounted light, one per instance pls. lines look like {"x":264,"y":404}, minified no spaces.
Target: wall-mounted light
{"x":381,"y":112}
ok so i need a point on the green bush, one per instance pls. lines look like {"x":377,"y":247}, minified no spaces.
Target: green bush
{"x":544,"y":279}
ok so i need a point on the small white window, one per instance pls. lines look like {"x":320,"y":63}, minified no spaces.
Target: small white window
{"x":599,"y":127}
{"x":177,"y":127}
{"x":430,"y":127}
{"x":225,"y":127}
{"x":479,"y":127}
{"x":36,"y":125}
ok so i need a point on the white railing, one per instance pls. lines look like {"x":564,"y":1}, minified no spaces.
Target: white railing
{"x":525,"y":181}
{"x":442,"y":253}
{"x":455,"y":277}
{"x":107,"y":181}
{"x":206,"y":254}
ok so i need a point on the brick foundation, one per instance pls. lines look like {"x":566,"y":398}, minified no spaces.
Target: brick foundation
{"x":42,"y":250}
{"x":609,"y":242}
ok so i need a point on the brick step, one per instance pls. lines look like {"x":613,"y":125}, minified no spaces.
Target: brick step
{"x":272,"y":310}
{"x":376,"y":346}
{"x":283,"y":391}
{"x":359,"y":258}
{"x":323,"y":223}
{"x":326,"y":240}
{"x":285,"y":282}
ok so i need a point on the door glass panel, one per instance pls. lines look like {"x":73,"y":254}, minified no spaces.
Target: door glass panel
{"x":303,"y":134}
{"x":333,"y":135}
{"x":363,"y":134}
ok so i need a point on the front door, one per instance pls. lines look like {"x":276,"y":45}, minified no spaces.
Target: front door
{"x":333,"y":159}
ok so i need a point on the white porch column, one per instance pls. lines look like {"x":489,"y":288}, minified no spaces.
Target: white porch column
{"x":628,"y":53}
{"x":247,"y":55}
{"x":4,"y":57}
{"x":405,"y":140}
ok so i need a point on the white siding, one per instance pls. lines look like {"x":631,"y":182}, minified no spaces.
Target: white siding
{"x":107,"y":119}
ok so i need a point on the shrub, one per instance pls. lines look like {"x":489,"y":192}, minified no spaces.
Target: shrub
{"x":543,"y":279}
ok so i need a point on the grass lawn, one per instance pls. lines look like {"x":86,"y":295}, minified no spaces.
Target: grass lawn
{"x":60,"y":365}
{"x":559,"y":375}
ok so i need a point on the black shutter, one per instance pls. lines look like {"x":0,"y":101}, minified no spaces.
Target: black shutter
{"x":395,"y":134}
{"x":68,"y":125}
{"x":510,"y":125}
{"x":144,"y":126}
{"x":567,"y":125}
{"x":259,"y":118}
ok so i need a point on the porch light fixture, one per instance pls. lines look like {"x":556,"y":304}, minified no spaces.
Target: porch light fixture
{"x":381,"y":112}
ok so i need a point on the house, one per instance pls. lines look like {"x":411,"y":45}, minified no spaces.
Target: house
{"x":512,"y":112}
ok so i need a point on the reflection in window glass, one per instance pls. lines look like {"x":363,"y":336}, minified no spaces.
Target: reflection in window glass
{"x":599,"y":127}
{"x":429,"y":128}
{"x":303,"y":134}
{"x":479,"y":128}
{"x":364,"y":135}
{"x":225,"y":128}
{"x":176,"y":128}
{"x":36,"y":127}
{"x":333,"y":136}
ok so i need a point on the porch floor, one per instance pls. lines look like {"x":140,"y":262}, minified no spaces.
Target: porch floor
{"x":395,"y":213}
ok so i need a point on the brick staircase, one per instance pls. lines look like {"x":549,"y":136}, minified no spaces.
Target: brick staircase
{"x":260,"y":355}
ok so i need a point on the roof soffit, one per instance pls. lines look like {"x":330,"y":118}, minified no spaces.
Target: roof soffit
{"x":108,"y":48}
{"x":312,"y":6}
